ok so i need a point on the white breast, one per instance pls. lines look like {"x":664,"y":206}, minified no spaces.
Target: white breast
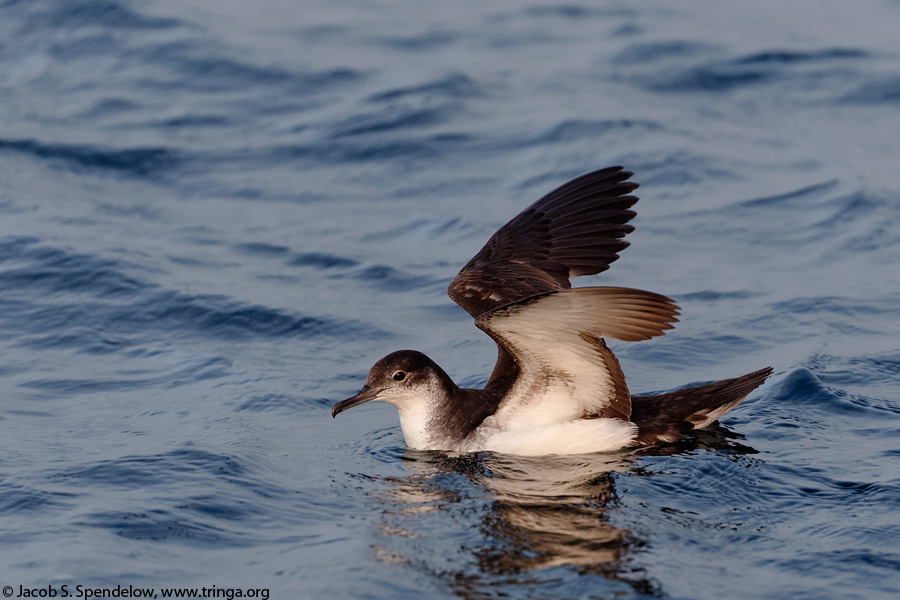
{"x":414,"y":418}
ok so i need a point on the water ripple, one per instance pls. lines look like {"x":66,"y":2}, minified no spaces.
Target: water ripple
{"x":135,"y":161}
{"x":88,"y":14}
{"x":454,"y":85}
{"x":16,"y":498}
{"x":719,"y":75}
{"x":121,"y":304}
{"x":184,"y":65}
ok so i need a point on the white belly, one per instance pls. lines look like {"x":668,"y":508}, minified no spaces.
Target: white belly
{"x":581,"y":436}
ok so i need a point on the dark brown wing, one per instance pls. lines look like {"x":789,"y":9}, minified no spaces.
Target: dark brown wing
{"x":576,"y":229}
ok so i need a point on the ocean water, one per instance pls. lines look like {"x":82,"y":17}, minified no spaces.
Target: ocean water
{"x":216,"y":215}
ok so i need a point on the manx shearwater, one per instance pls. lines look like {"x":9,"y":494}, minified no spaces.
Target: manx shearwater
{"x":556,"y":388}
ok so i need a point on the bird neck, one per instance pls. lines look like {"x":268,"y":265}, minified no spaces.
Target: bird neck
{"x":421,"y":416}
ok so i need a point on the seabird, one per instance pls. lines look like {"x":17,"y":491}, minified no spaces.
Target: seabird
{"x":556,"y":387}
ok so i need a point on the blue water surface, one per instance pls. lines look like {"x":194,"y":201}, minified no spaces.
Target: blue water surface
{"x":216,"y":215}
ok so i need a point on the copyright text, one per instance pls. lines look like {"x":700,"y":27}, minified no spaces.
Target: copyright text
{"x":80,"y":591}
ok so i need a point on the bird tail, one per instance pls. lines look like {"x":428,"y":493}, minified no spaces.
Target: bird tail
{"x":667,"y":417}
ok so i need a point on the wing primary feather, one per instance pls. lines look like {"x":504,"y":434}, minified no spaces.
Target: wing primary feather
{"x":577,"y":229}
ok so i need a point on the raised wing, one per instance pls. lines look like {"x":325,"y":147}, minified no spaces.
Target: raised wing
{"x":566,"y":371}
{"x":576,"y":229}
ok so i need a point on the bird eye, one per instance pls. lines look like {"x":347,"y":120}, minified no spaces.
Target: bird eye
{"x":399,"y":376}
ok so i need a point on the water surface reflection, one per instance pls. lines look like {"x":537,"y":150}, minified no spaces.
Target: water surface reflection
{"x":533,"y":519}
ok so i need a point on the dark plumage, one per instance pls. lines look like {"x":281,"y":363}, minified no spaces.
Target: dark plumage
{"x":667,"y":417}
{"x":577,"y":229}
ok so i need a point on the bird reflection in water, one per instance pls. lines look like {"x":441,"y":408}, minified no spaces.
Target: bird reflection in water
{"x":537,"y":513}
{"x":522,"y":515}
